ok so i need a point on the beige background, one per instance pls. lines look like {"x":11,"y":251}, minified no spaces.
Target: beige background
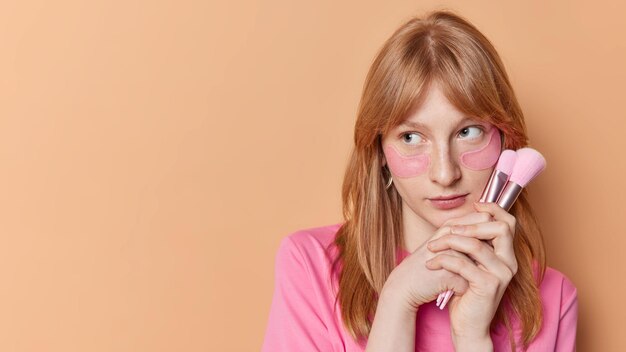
{"x":154,"y":153}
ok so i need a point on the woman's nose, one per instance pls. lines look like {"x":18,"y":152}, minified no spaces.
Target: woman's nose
{"x":444,"y":168}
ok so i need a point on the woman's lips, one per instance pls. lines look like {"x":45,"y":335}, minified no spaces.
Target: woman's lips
{"x":445,"y":203}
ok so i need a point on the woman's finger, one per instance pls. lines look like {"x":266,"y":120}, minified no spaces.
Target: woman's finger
{"x":478,"y":251}
{"x":468,"y":219}
{"x":471,"y":218}
{"x":442,"y":231}
{"x":481,"y":280}
{"x":497,"y":233}
{"x":498,"y":213}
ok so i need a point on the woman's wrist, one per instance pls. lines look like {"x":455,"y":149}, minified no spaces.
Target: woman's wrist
{"x":472,"y":344}
{"x":396,"y":297}
{"x":393,"y":328}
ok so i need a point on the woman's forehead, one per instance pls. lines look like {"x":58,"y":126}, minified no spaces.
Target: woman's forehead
{"x":436,"y":124}
{"x":435,"y":111}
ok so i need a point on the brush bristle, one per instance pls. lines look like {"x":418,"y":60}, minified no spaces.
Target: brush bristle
{"x":528,"y":165}
{"x":506,"y":161}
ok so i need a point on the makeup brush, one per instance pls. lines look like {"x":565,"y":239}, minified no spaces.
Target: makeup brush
{"x":495,"y":185}
{"x":499,"y":176}
{"x":528,"y":165}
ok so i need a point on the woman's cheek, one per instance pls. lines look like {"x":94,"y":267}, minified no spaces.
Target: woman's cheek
{"x":406,"y":166}
{"x":485,"y":157}
{"x":403,"y":166}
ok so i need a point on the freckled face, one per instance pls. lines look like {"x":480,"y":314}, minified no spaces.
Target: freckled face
{"x":438,"y":152}
{"x":405,"y":166}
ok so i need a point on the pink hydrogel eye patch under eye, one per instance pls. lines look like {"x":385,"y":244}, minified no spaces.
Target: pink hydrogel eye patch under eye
{"x":486,"y":156}
{"x":406,"y":166}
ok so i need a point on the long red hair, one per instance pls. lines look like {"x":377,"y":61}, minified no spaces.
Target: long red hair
{"x":444,"y":47}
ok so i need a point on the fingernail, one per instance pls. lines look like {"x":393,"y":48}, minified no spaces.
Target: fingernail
{"x":458,"y":229}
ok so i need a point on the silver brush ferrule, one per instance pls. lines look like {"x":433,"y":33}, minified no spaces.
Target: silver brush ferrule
{"x":494,"y":187}
{"x":509,"y":195}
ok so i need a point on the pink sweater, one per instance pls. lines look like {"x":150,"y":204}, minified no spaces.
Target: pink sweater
{"x":302,"y":319}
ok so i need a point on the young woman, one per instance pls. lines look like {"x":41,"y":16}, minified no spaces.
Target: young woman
{"x":436,"y":110}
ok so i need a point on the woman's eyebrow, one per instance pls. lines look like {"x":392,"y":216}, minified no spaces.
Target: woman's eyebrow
{"x":470,"y":120}
{"x":419,"y":125}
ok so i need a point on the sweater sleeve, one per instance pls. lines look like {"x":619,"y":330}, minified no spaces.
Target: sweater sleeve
{"x":294,"y":320}
{"x":566,"y":336}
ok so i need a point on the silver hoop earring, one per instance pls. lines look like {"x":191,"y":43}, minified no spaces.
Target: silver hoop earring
{"x":389,"y":182}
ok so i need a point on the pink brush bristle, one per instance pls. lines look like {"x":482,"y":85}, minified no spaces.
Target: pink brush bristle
{"x":528,"y":165}
{"x":506,"y":161}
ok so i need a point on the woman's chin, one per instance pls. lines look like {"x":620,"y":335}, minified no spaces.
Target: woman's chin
{"x":441,"y":216}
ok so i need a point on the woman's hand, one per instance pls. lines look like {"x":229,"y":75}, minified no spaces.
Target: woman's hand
{"x":488,"y":272}
{"x":412,"y":284}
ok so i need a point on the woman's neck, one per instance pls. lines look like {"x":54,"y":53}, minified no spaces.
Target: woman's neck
{"x":415,"y":230}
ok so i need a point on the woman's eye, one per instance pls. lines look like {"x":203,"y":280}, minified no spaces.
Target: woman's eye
{"x":411,"y":138}
{"x":470,"y":132}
